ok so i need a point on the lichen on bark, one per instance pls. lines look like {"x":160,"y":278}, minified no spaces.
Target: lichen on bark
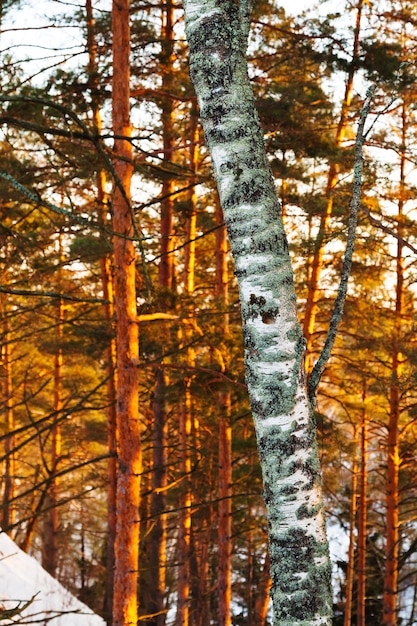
{"x":274,"y":347}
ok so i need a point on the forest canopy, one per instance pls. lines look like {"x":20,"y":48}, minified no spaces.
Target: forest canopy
{"x":106,"y":187}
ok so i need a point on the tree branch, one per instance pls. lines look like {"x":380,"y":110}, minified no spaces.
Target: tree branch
{"x":50,"y":294}
{"x":339,"y":303}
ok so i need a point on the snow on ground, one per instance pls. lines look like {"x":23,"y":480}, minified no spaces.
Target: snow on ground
{"x":22,"y":578}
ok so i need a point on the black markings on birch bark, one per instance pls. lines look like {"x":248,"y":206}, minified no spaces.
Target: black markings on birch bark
{"x":274,"y":346}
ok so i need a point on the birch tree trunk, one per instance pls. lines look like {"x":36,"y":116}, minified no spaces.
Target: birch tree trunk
{"x":274,"y":346}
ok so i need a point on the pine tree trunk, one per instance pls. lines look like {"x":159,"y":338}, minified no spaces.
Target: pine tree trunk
{"x":189,"y":254}
{"x":274,"y":346}
{"x":392,"y":534}
{"x":185,"y":426}
{"x":200,"y":540}
{"x":184,"y":523}
{"x":393,"y":444}
{"x":352,"y":524}
{"x":262,"y":595}
{"x":108,"y":310}
{"x":157,"y":536}
{"x":362,"y":515}
{"x":50,"y":533}
{"x":125,"y":609}
{"x":8,"y":509}
{"x":224,"y":529}
{"x":224,"y":532}
{"x":166,"y":265}
{"x":107,"y":288}
{"x":36,"y":512}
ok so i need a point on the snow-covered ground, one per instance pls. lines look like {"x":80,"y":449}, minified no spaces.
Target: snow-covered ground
{"x":22,"y":578}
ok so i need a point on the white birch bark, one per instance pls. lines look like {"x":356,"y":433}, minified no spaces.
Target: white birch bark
{"x":274,"y":346}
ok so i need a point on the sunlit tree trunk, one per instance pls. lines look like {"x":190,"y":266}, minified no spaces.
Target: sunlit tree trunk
{"x":262,"y":595}
{"x":201,"y":539}
{"x":362,"y":515}
{"x":186,"y":416}
{"x":393,"y":443}
{"x":224,"y":572}
{"x":316,"y":264}
{"x":202,"y":514}
{"x":249,"y":568}
{"x":224,"y":580}
{"x":36,"y":511}
{"x":412,"y":619}
{"x":51,"y":526}
{"x":189,"y":253}
{"x":157,"y":535}
{"x":202,"y":523}
{"x":184,"y":525}
{"x":257,"y":597}
{"x":166,"y":265}
{"x":107,"y":288}
{"x":125,"y":608}
{"x":274,"y":346}
{"x":8,"y":509}
{"x":108,"y":310}
{"x":352,"y":526}
{"x":392,"y":501}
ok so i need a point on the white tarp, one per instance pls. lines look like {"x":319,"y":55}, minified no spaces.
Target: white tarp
{"x":23,"y":578}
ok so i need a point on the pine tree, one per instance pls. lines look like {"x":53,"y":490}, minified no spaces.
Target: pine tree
{"x":125,"y":608}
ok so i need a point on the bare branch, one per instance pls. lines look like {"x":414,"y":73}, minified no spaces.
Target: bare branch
{"x":50,"y":294}
{"x":339,"y":303}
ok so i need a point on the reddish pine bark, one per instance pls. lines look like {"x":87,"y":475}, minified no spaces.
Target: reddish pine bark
{"x":352,"y":523}
{"x":224,"y":571}
{"x":393,"y":447}
{"x":262,"y":595}
{"x":157,"y":536}
{"x":166,"y":265}
{"x":8,"y":510}
{"x":51,"y":526}
{"x":185,"y":419}
{"x":108,"y":310}
{"x":393,"y":462}
{"x":125,"y":609}
{"x":184,"y":523}
{"x":189,"y":253}
{"x":107,"y":286}
{"x":363,"y":507}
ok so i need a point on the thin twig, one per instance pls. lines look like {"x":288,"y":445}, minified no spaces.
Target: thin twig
{"x":51,"y":294}
{"x":339,"y":303}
